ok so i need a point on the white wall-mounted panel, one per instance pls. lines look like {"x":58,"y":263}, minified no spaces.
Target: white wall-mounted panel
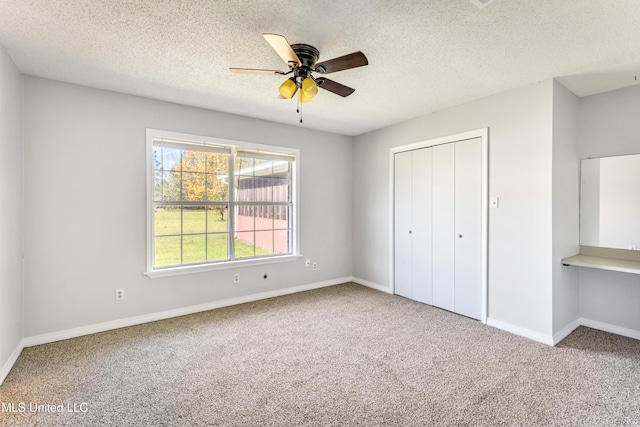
{"x":421,"y":244}
{"x":444,"y":226}
{"x":468,"y":228}
{"x":402,"y":232}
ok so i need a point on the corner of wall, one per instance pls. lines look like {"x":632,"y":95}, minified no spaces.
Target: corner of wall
{"x":12,"y":226}
{"x":565,"y":210}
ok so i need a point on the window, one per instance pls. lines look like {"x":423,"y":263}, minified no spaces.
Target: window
{"x":215,"y":203}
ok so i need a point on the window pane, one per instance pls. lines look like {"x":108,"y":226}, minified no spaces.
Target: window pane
{"x":157,"y":185}
{"x":194,"y":220}
{"x":167,"y":221}
{"x":264,"y":242}
{"x":171,"y":159}
{"x":217,"y":247}
{"x":171,"y":183}
{"x":281,"y":217}
{"x":167,"y":251}
{"x":217,"y":219}
{"x":217,"y":163}
{"x":281,"y":241}
{"x":244,"y":244}
{"x":244,"y":219}
{"x":194,"y":248}
{"x":217,"y":188}
{"x":262,"y":167}
{"x":264,"y":217}
{"x":281,"y":190}
{"x":193,"y":188}
{"x":245,"y":189}
{"x":262,"y":190}
{"x":282,"y":169}
{"x":243,"y":166}
{"x":157,"y":158}
{"x":193,"y":161}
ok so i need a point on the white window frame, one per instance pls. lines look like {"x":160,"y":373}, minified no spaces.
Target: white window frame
{"x":156,"y":134}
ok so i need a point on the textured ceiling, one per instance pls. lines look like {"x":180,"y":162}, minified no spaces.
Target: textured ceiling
{"x":424,"y":56}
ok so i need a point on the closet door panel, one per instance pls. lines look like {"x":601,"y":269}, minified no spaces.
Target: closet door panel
{"x":443,"y":226}
{"x":402,"y":224}
{"x":421,"y":252}
{"x":468,"y":240}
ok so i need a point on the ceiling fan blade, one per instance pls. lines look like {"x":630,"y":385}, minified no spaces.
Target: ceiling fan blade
{"x":282,"y":48}
{"x":346,"y":62}
{"x":335,"y":87}
{"x":252,"y":71}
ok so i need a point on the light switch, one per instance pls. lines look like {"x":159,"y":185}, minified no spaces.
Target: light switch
{"x":493,"y":202}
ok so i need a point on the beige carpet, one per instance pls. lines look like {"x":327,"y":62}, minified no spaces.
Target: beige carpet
{"x":344,"y":355}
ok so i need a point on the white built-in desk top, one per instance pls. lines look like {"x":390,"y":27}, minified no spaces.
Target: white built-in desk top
{"x":602,"y":263}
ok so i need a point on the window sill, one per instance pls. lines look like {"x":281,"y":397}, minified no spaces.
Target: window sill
{"x":189,"y":269}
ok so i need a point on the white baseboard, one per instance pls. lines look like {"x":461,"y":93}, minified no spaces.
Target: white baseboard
{"x":607,"y":327}
{"x":137,"y":320}
{"x":564,"y":332}
{"x":11,"y":361}
{"x":527,"y":333}
{"x":371,"y":285}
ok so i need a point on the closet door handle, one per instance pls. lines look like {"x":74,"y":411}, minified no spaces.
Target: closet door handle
{"x":409,"y":231}
{"x":460,"y":236}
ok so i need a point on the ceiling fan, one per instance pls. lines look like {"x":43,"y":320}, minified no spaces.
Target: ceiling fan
{"x":302,"y":61}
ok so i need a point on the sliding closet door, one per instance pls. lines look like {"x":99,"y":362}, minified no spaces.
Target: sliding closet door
{"x":402,"y":224}
{"x":421,"y":253}
{"x":468,"y":224}
{"x":443,"y":226}
{"x":438,"y":226}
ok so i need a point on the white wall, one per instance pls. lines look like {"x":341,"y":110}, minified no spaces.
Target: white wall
{"x":590,"y":202}
{"x":520,"y":173}
{"x":85,"y":206}
{"x":609,"y":124}
{"x":566,"y":184}
{"x":11,"y":211}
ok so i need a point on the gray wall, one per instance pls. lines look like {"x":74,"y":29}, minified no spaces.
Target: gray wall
{"x":566,"y":188}
{"x":85,"y":219}
{"x":11,"y":209}
{"x":609,"y":124}
{"x":520,"y":173}
{"x":85,"y":210}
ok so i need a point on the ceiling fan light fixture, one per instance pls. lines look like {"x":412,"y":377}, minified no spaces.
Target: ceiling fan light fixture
{"x":304,"y":98}
{"x":288,"y":88}
{"x":309,"y":87}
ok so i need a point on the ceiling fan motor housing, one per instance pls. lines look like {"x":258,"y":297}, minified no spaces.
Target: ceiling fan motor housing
{"x":308,"y":56}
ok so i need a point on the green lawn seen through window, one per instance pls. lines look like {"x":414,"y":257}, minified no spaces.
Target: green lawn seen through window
{"x":207,"y":243}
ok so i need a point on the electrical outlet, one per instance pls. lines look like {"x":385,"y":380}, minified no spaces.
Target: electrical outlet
{"x":307,"y":263}
{"x":315,"y":265}
{"x":119,"y":294}
{"x":236,"y":278}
